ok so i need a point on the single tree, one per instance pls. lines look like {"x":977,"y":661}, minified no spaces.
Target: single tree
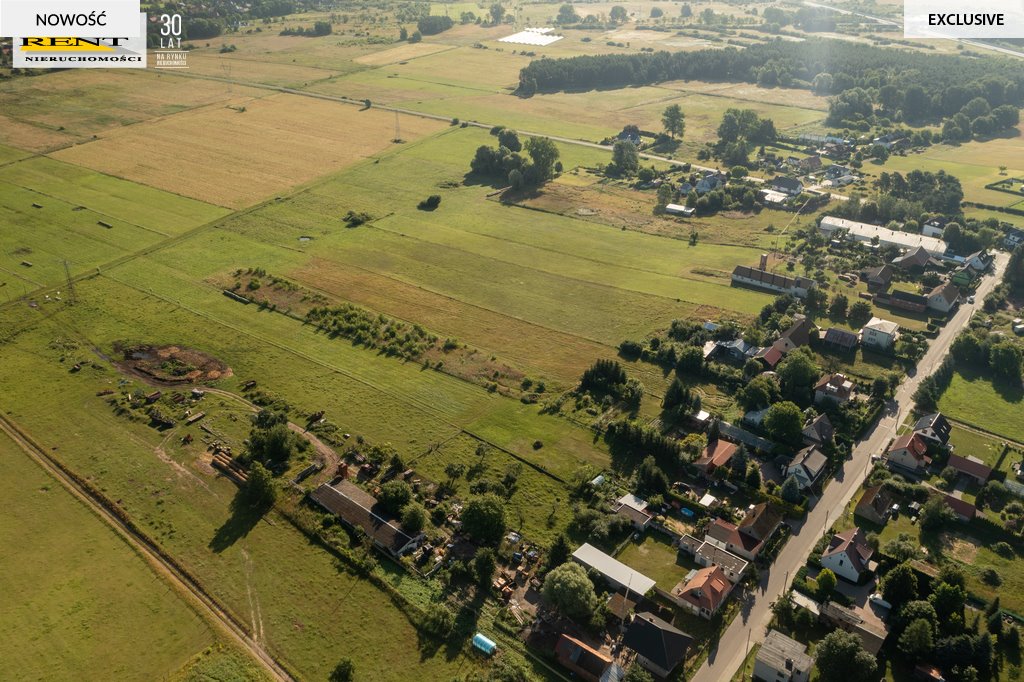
{"x":625,"y":157}
{"x":343,"y":672}
{"x":394,"y":495}
{"x":917,"y":640}
{"x":559,"y":552}
{"x":674,"y":120}
{"x":497,"y":12}
{"x":900,"y":585}
{"x":784,"y":422}
{"x":840,"y":657}
{"x":414,"y":518}
{"x":484,"y":518}
{"x":569,"y":591}
{"x":567,"y":15}
{"x":618,"y":14}
{"x":790,"y":490}
{"x":826,"y":584}
{"x":260,"y":489}
{"x":484,"y":565}
{"x":544,"y":154}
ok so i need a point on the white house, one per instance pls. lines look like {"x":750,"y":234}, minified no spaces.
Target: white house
{"x":944,"y":297}
{"x":807,"y":466}
{"x":848,"y":555}
{"x":879,"y":333}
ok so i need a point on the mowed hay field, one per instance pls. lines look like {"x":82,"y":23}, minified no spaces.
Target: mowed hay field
{"x":1003,"y":405}
{"x":60,"y":108}
{"x":235,"y":158}
{"x":79,"y":603}
{"x":307,"y":608}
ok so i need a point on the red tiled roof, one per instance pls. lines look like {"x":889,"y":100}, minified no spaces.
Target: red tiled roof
{"x":970,"y":467}
{"x":912,"y":443}
{"x":852,"y":543}
{"x":717,"y":453}
{"x":707,"y":589}
{"x":961,"y":507}
{"x":729,"y":533}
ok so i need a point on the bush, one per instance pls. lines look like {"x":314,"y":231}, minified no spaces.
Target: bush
{"x":430,"y":203}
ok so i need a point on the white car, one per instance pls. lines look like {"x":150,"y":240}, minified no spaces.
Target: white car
{"x":877,"y":600}
{"x":970,"y":299}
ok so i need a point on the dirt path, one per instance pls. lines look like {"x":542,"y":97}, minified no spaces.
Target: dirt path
{"x":158,"y":560}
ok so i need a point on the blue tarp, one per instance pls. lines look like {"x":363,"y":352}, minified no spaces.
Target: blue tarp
{"x":484,"y":644}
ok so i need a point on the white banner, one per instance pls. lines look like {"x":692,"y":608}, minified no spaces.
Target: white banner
{"x":123,"y":52}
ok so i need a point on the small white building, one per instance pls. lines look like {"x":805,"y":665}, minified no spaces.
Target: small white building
{"x":848,"y":555}
{"x":879,"y":333}
{"x":679,"y":209}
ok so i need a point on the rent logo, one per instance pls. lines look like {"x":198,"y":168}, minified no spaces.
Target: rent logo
{"x":81,"y":53}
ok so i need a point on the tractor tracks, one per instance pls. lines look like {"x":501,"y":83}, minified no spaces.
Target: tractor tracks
{"x":158,"y":559}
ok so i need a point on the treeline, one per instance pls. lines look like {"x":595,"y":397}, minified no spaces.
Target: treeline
{"x":907,"y":197}
{"x":641,"y":439}
{"x":981,"y":350}
{"x":364,"y":328}
{"x":433,"y":24}
{"x":924,"y":86}
{"x":320,"y":28}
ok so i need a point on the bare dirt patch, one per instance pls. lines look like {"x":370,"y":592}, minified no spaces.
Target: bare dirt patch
{"x":961,"y":548}
{"x":170,"y":364}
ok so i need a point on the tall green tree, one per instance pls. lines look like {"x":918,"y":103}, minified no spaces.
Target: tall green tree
{"x":569,"y":591}
{"x":840,"y":657}
{"x":674,"y":120}
{"x":484,"y":519}
{"x":625,"y":158}
{"x":544,"y":154}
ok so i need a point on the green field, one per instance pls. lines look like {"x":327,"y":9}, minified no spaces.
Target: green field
{"x":656,"y":558}
{"x":1001,"y":414}
{"x":974,"y":444}
{"x":79,"y":602}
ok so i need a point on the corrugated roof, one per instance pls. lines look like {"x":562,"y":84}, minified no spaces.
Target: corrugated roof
{"x":612,"y":569}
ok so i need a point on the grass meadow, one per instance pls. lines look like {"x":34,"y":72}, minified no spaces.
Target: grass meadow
{"x":79,"y":603}
{"x":1001,"y":414}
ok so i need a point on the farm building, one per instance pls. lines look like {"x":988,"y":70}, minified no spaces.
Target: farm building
{"x":970,"y":467}
{"x":841,"y":339}
{"x":358,"y":509}
{"x":849,"y":555}
{"x":615,"y":573}
{"x":762,"y":279}
{"x":865,"y":232}
{"x":878,"y":278}
{"x":781,"y":659}
{"x":906,"y":300}
{"x":659,"y":647}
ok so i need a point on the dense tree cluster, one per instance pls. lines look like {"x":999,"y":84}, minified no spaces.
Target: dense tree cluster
{"x":607,"y":377}
{"x":505,"y":163}
{"x":1002,"y":357}
{"x":271,"y":442}
{"x":923,"y":86}
{"x":907,"y":197}
{"x":393,"y":337}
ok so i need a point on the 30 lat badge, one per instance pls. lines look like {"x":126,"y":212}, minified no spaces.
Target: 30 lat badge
{"x":169,"y":53}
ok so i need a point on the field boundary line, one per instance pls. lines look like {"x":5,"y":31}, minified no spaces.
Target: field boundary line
{"x":968,"y":426}
{"x":161,"y":562}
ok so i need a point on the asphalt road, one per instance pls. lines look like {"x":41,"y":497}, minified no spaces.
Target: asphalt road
{"x":749,"y":627}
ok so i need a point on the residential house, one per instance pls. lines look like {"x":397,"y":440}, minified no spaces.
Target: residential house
{"x":659,"y":647}
{"x":892,"y":141}
{"x":763,"y":279}
{"x":781,"y":659}
{"x":944,"y":297}
{"x":836,"y":171}
{"x":585,"y":662}
{"x":769,"y":355}
{"x":915,"y":258}
{"x":718,"y":453}
{"x":934,"y":427}
{"x":819,"y":431}
{"x":875,"y":505}
{"x":807,"y":466}
{"x":630,"y":134}
{"x":614,"y":572}
{"x":358,"y":509}
{"x":905,"y":300}
{"x":1013,"y":238}
{"x":836,"y":388}
{"x":798,"y":334}
{"x":964,"y":510}
{"x":708,"y":553}
{"x":710,"y":182}
{"x":727,"y":535}
{"x":872,"y":635}
{"x":910,"y":452}
{"x":970,"y":467}
{"x":635,"y":509}
{"x":841,"y":339}
{"x":978,"y":261}
{"x":848,"y":555}
{"x":759,"y":524}
{"x":934,"y":227}
{"x":737,"y":349}
{"x":879,"y":278}
{"x":810,"y":164}
{"x":703,"y":592}
{"x":834,"y":150}
{"x":880,"y":334}
{"x":787,"y":185}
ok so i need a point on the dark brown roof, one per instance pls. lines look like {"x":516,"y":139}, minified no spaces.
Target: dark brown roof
{"x":947,"y":290}
{"x":771,"y":279}
{"x":820,"y":429}
{"x":909,"y":297}
{"x":761,"y":521}
{"x":586,"y":662}
{"x":729,"y":533}
{"x":970,"y":467}
{"x":356,"y":507}
{"x":657,"y":641}
{"x":852,"y":543}
{"x":799,"y":332}
{"x":841,"y":337}
{"x":876,"y":498}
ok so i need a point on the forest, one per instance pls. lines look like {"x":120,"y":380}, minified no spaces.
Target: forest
{"x":901,"y":84}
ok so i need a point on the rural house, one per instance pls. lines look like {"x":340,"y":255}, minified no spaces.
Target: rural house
{"x":934,"y":427}
{"x":944,"y":297}
{"x":875,"y":505}
{"x":910,"y":452}
{"x":819,"y":431}
{"x":728,"y":536}
{"x":707,"y":553}
{"x":358,"y":509}
{"x":848,"y":555}
{"x":810,"y":164}
{"x":880,"y":334}
{"x":934,"y":227}
{"x":759,"y":524}
{"x":586,"y":663}
{"x":635,"y":509}
{"x":787,"y":185}
{"x":798,"y":334}
{"x":703,"y":592}
{"x":835,"y":388}
{"x":807,"y":466}
{"x":914,"y":259}
{"x":964,"y":510}
{"x":718,"y":453}
{"x":878,"y":279}
{"x":970,"y":467}
{"x":781,"y":659}
{"x":659,"y":647}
